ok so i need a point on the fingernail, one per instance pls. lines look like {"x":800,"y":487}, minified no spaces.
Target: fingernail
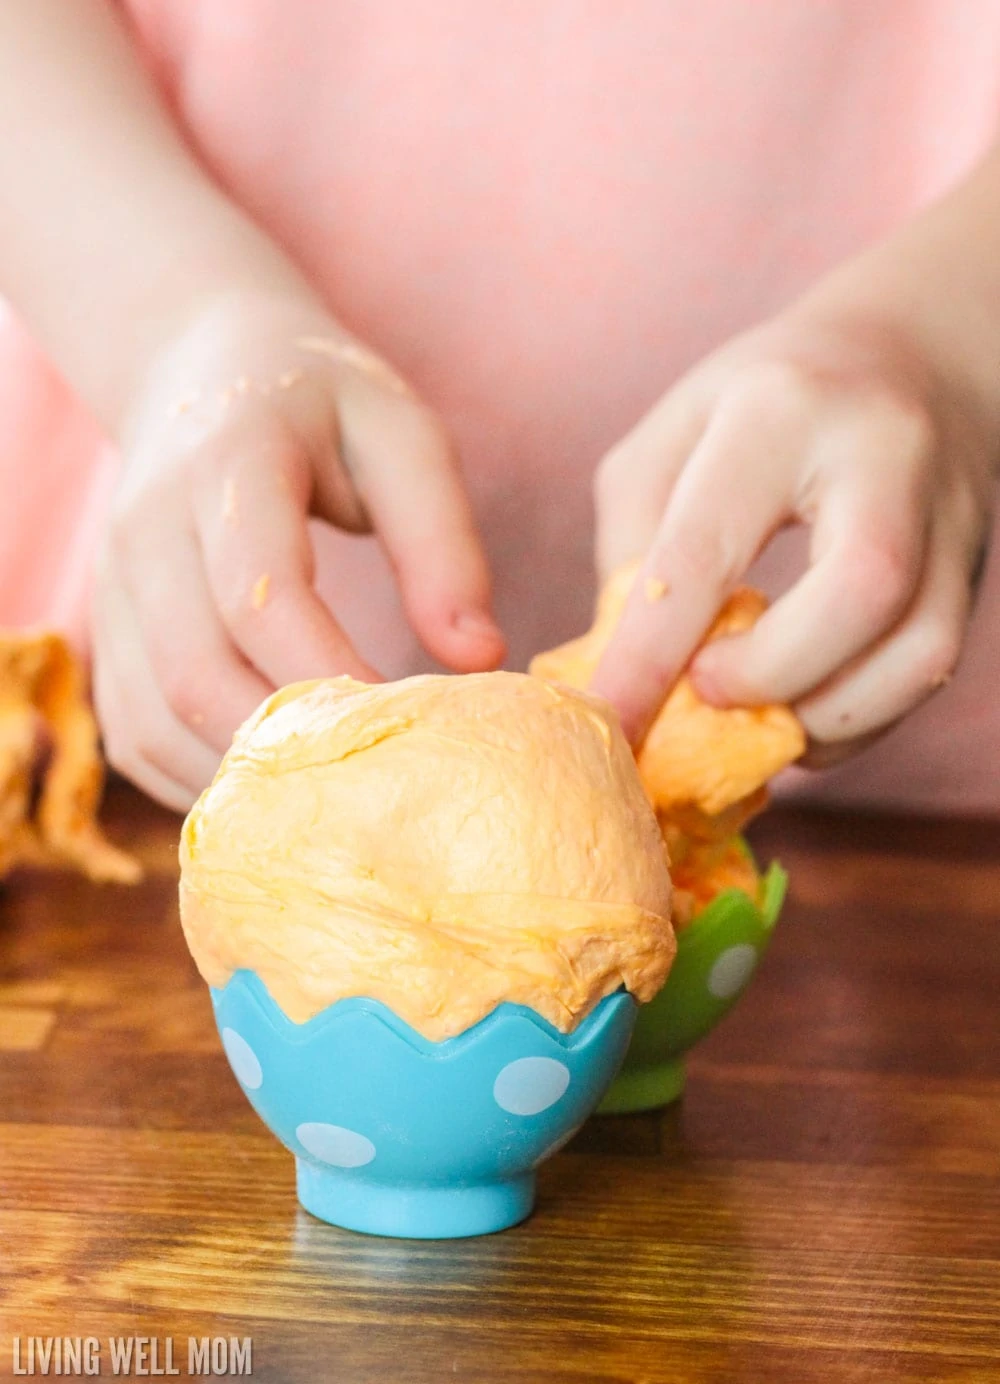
{"x":476,"y":624}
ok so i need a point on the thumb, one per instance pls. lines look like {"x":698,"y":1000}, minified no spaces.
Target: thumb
{"x":405,"y":470}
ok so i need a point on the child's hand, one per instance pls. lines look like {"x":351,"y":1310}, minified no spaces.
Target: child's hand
{"x":176,"y":317}
{"x":255,"y":418}
{"x":842,"y":425}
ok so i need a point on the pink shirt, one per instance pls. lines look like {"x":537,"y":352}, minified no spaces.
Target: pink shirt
{"x":542,"y":211}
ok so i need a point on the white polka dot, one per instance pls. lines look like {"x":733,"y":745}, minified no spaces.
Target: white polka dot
{"x":242,"y":1059}
{"x":732,"y":970}
{"x":530,"y":1085}
{"x":333,"y":1144}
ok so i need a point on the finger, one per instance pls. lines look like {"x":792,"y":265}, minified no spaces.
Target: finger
{"x":251,"y":503}
{"x":406,"y":471}
{"x":634,"y":480}
{"x":907,"y":666}
{"x":867,"y":555}
{"x":157,"y":786}
{"x":206,"y":684}
{"x":702,"y":548}
{"x":119,"y":752}
{"x":142,"y":740}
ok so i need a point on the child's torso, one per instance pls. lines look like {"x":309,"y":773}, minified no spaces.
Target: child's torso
{"x":544,"y":212}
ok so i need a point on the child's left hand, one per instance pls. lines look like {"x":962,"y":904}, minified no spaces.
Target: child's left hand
{"x":837,"y":421}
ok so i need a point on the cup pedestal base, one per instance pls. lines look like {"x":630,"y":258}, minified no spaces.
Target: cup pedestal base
{"x":410,"y":1211}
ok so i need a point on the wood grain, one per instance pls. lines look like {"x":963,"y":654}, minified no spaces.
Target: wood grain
{"x":823,"y":1206}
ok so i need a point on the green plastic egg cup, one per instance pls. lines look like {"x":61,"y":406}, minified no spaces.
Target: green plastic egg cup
{"x":717,"y":955}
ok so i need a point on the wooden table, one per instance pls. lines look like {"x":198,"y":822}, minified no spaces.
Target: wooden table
{"x":824,"y":1205}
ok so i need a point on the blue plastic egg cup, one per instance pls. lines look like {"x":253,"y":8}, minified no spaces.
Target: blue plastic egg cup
{"x":396,"y":1135}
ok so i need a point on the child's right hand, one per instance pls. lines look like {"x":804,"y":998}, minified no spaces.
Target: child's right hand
{"x":256,"y":416}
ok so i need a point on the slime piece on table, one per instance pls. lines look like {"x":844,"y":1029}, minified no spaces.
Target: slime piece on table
{"x":50,"y":767}
{"x":440,"y":844}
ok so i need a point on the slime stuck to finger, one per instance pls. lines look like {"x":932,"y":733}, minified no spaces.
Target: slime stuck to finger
{"x":705,"y":769}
